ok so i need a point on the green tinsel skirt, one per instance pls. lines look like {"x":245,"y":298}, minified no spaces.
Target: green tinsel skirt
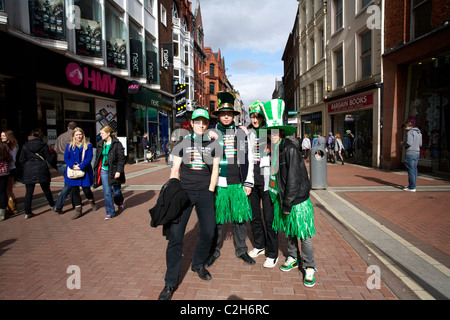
{"x":232,"y":204}
{"x":299,"y":224}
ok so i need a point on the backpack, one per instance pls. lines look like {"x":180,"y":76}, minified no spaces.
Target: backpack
{"x":333,"y":143}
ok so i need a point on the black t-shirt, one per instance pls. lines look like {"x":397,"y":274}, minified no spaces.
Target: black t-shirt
{"x":197,"y":161}
{"x":230,"y":148}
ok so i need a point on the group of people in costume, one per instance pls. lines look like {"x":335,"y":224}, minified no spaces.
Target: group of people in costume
{"x":227,"y":173}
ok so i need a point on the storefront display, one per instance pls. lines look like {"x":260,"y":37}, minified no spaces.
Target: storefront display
{"x":89,"y":38}
{"x":47,"y":19}
{"x":429,"y":110}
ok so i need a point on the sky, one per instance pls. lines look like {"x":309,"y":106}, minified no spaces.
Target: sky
{"x":251,"y":35}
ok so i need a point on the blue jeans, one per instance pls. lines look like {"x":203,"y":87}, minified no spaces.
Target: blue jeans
{"x":109,"y":192}
{"x":66,"y":190}
{"x":411,"y":166}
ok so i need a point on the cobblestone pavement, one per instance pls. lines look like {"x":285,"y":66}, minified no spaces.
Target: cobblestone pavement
{"x":373,"y":242}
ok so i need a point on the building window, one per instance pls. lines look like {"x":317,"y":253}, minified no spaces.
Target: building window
{"x":163,"y":16}
{"x":89,"y":36}
{"x":186,"y":55}
{"x":366,"y":54}
{"x":421,"y":17}
{"x":115,"y":34}
{"x":211,"y":69}
{"x":338,"y":7}
{"x":364,"y":3}
{"x":176,"y":45}
{"x":339,"y":58}
{"x":148,"y":4}
{"x":212,"y":106}
{"x":212,"y":88}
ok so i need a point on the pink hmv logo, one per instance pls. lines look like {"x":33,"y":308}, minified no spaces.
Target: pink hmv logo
{"x":92,"y":79}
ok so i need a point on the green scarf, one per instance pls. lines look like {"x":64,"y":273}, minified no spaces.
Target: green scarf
{"x":224,"y":162}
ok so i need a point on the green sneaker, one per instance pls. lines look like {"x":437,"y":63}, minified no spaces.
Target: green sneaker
{"x":310,"y":279}
{"x":289,"y":264}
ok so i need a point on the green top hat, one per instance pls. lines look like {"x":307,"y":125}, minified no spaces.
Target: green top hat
{"x":200,"y":113}
{"x":273,"y":111}
{"x":256,"y":107}
{"x":226,"y":103}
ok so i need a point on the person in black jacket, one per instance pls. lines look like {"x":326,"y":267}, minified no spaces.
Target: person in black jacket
{"x":109,"y":170}
{"x":35,"y":153}
{"x":289,"y":189}
{"x":196,"y":165}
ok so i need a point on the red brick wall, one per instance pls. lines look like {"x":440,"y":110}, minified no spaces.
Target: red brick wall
{"x":398,"y":19}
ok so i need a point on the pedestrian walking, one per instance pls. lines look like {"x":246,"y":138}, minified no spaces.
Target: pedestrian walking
{"x":78,"y":156}
{"x":306,"y":147}
{"x":8,"y":137}
{"x":347,"y":145}
{"x":196,"y":165}
{"x":321,"y":141}
{"x":35,"y":158}
{"x":338,"y":148}
{"x":145,"y":146}
{"x":265,"y":239}
{"x":231,"y":202}
{"x":109,"y":170}
{"x":60,"y":148}
{"x":5,"y":160}
{"x":331,"y":143}
{"x":412,"y":153}
{"x":289,"y":189}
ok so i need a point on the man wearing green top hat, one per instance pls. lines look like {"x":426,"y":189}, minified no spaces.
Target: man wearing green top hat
{"x":196,"y":165}
{"x":265,"y":239}
{"x":289,"y":188}
{"x":231,"y":202}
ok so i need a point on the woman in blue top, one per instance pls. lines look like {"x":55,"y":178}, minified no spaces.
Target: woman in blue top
{"x":78,"y":156}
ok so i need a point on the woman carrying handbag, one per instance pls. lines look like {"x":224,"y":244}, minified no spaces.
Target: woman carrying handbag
{"x":34,"y":158}
{"x":109,"y":170}
{"x":78,"y":156}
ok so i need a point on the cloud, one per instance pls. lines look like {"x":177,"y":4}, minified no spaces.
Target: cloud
{"x":254,"y":87}
{"x":258,"y":25}
{"x":247,"y":65}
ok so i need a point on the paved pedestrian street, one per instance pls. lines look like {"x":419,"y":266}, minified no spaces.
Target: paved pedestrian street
{"x":374,"y":242}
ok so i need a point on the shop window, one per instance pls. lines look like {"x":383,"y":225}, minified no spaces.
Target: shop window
{"x":47,"y":19}
{"x":115,"y":34}
{"x":88,"y":36}
{"x":76,"y":107}
{"x":2,"y":6}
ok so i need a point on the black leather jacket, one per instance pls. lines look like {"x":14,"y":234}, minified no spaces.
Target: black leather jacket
{"x":292,"y":176}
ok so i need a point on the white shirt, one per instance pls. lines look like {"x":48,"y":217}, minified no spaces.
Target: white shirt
{"x":306,"y":143}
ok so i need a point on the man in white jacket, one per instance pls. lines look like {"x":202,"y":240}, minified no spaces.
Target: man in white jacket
{"x":256,"y":186}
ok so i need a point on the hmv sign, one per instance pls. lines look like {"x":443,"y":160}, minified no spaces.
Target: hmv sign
{"x":90,"y":79}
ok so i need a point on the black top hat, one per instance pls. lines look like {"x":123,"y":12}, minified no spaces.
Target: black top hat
{"x":226,"y":103}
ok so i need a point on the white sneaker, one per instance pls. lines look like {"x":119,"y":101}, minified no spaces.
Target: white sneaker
{"x":256,"y":252}
{"x":270,"y":263}
{"x":408,"y":189}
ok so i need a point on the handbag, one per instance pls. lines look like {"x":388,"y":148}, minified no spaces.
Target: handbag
{"x":75,"y":173}
{"x":48,"y":164}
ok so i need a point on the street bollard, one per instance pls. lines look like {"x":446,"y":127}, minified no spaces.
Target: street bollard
{"x":318,"y":168}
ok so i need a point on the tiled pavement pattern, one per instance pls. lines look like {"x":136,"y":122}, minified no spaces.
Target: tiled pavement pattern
{"x":124,"y":258}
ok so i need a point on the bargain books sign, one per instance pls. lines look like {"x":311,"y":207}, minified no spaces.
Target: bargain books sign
{"x":90,"y":79}
{"x":352,"y":103}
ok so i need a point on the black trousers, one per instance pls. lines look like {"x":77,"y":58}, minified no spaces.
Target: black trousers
{"x":267,"y":238}
{"x":203,"y":200}
{"x":29,"y":195}
{"x":76,"y":194}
